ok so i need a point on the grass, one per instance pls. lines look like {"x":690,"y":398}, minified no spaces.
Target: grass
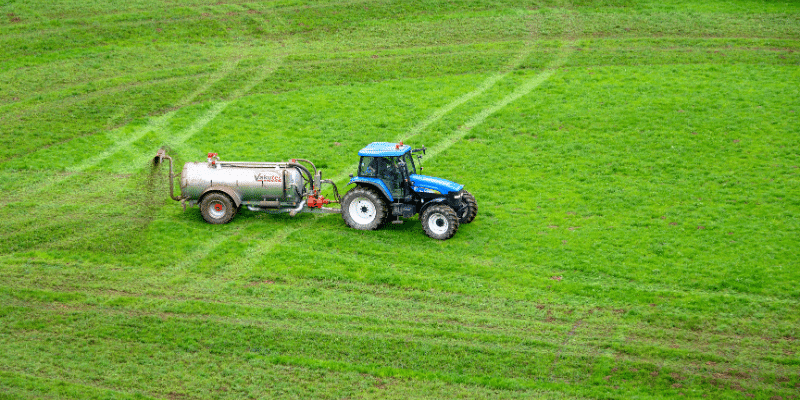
{"x":635,"y":164}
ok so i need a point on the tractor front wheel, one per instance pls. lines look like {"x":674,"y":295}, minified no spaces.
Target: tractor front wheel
{"x":439,"y":222}
{"x":363,"y":209}
{"x":469,"y":208}
{"x":217,"y":208}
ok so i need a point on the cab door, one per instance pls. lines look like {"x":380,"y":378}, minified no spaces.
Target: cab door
{"x":385,"y":169}
{"x":391,"y":176}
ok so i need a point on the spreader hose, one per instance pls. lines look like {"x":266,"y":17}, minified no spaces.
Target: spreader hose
{"x":335,"y":190}
{"x":306,"y":161}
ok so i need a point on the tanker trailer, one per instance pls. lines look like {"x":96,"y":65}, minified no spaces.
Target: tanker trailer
{"x":220,"y":188}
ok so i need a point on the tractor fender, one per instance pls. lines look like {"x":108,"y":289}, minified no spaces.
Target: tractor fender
{"x":237,"y":199}
{"x":373,"y":182}
{"x":438,"y":200}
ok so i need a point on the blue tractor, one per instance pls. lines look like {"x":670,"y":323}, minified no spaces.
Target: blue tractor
{"x":387,"y":185}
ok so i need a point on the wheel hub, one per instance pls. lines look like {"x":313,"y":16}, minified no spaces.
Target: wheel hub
{"x":438,"y":223}
{"x":217,"y":210}
{"x":362,"y":210}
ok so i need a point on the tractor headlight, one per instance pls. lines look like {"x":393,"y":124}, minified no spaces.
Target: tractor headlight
{"x":457,"y":196}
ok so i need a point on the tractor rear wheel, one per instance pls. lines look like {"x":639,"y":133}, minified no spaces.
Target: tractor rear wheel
{"x":439,"y":222}
{"x":217,"y":208}
{"x":364,"y":209}
{"x":469,"y":208}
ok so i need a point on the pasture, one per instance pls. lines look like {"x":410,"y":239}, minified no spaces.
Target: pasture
{"x":636,"y":166}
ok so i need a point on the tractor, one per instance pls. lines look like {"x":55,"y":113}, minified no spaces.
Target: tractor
{"x":388,"y":185}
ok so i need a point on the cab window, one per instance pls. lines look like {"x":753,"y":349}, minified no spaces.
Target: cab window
{"x":409,"y":160}
{"x":368,"y":167}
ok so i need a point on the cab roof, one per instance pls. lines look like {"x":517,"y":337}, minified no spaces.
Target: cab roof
{"x":384,"y":149}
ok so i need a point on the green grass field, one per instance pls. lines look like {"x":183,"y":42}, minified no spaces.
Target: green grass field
{"x":636,"y":165}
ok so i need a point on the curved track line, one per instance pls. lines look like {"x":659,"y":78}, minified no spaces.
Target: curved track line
{"x":217,"y":108}
{"x":260,"y":247}
{"x":155,"y":123}
{"x":485,"y":85}
{"x":446,"y":109}
{"x":522,"y":90}
{"x":159,"y":123}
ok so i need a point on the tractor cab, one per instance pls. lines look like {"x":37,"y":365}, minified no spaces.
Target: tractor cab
{"x":393,"y":171}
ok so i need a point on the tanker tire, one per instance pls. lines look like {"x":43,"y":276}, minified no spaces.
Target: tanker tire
{"x":363,"y":209}
{"x":469,"y":208}
{"x":217,"y":208}
{"x":439,"y":222}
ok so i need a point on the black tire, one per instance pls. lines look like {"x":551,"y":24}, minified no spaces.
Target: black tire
{"x":439,"y":222}
{"x":364,"y":209}
{"x":469,"y":208}
{"x":217,"y":208}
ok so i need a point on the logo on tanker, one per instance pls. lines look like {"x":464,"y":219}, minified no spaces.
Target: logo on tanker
{"x":268,"y":177}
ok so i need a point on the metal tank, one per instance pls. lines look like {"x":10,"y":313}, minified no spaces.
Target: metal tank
{"x":265,"y":185}
{"x":220,"y":188}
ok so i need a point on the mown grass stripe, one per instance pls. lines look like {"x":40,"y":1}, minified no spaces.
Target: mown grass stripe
{"x":579,"y":348}
{"x":23,"y":384}
{"x":314,"y":346}
{"x":419,"y":326}
{"x":360,"y":326}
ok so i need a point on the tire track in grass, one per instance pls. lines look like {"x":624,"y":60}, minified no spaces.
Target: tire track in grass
{"x":449,"y":107}
{"x":153,"y":124}
{"x":217,"y":108}
{"x":260,"y":248}
{"x":206,"y":247}
{"x":527,"y":87}
{"x":157,"y":123}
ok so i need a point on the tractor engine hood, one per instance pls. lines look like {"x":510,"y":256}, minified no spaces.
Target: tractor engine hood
{"x":430,"y":184}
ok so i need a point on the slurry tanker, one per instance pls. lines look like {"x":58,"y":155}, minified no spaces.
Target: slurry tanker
{"x":387,"y":186}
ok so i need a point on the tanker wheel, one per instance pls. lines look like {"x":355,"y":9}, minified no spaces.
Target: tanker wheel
{"x":363,"y":209}
{"x":217,"y":208}
{"x":439,"y":222}
{"x":469,"y":208}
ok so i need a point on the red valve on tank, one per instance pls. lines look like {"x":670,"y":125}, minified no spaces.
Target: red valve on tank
{"x":212,"y":158}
